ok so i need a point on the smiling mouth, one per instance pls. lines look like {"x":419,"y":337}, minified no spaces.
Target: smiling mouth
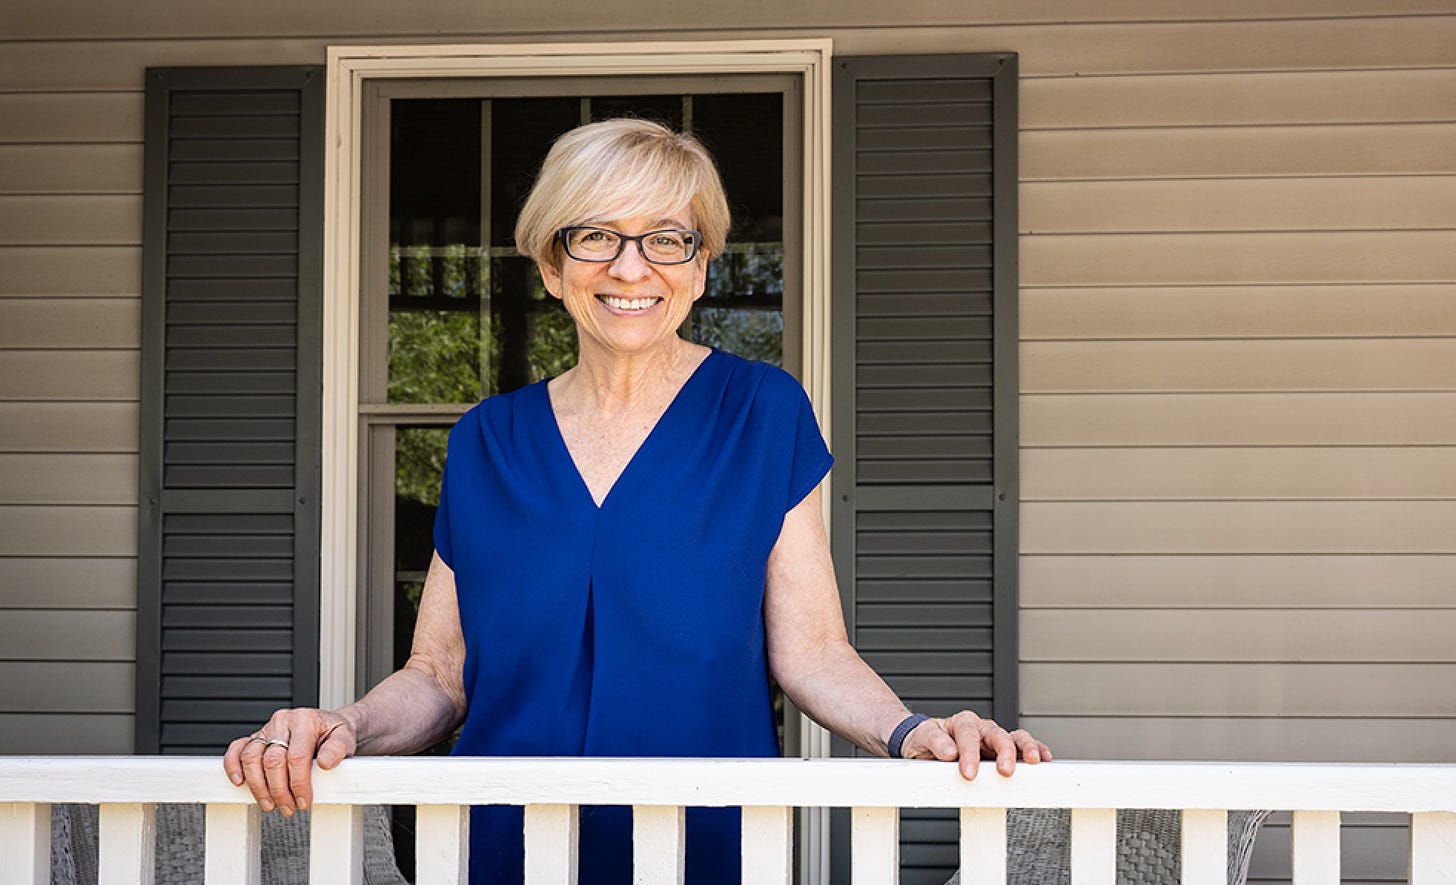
{"x":628,"y":304}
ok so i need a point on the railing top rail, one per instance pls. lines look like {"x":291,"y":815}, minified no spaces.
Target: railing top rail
{"x":758,"y":782}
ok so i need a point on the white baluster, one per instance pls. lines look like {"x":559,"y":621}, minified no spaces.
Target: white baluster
{"x":1315,"y":848}
{"x":233,"y":855}
{"x":128,"y":844}
{"x":874,"y":846}
{"x":657,"y":844}
{"x":1094,"y":846}
{"x":983,"y":846}
{"x":336,"y":844}
{"x":442,"y":847}
{"x":25,"y":842}
{"x":552,"y":834}
{"x":768,"y":845}
{"x":1205,"y":847}
{"x":1433,"y":848}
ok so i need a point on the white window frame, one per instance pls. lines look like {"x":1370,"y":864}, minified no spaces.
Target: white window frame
{"x":348,"y":68}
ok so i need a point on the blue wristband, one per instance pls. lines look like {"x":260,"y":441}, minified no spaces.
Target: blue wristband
{"x":902,"y":731}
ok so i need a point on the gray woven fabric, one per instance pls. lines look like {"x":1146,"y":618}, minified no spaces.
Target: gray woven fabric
{"x":181,"y":839}
{"x":1038,"y":846}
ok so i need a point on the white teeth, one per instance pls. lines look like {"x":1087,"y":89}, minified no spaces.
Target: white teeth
{"x":628,"y":303}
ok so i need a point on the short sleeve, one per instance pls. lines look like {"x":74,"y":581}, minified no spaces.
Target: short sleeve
{"x":442,"y":514}
{"x":810,"y":458}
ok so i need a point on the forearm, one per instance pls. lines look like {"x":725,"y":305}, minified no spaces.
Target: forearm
{"x":833,"y":685}
{"x":407,"y":712}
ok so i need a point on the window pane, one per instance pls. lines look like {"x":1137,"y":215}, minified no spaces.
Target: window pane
{"x":521,"y":131}
{"x":419,"y":464}
{"x":436,"y":265}
{"x":742,"y":310}
{"x":664,"y":109}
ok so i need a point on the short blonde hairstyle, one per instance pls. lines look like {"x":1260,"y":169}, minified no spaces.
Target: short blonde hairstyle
{"x":617,"y":169}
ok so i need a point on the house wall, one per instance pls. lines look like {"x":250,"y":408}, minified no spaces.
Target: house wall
{"x":1238,"y":322}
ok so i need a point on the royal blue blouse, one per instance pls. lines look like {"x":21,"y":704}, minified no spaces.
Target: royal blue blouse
{"x":633,"y":629}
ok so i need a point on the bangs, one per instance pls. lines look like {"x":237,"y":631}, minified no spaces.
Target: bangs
{"x":623,"y":168}
{"x":643,"y":188}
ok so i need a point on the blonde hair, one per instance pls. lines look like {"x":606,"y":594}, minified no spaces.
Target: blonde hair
{"x":617,"y":169}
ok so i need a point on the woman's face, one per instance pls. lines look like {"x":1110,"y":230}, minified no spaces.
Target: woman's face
{"x":628,"y":306}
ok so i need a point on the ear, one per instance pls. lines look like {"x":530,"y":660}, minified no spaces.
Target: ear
{"x":700,"y":284}
{"x":551,"y":277}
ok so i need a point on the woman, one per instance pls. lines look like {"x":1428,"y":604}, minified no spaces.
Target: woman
{"x":627,"y":552}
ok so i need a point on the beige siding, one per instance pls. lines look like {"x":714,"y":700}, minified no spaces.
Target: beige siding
{"x":1256,"y":689}
{"x":61,"y":271}
{"x":1237,"y":581}
{"x":46,"y":734}
{"x":70,"y":236}
{"x":37,"y":635}
{"x":69,"y":478}
{"x":1335,"y":311}
{"x":1238,"y":366}
{"x":46,"y":687}
{"x":1237,"y":151}
{"x":32,"y":582}
{"x":1333,"y":473}
{"x":44,"y":220}
{"x":1250,"y":739}
{"x":1395,"y":419}
{"x":1238,"y":342}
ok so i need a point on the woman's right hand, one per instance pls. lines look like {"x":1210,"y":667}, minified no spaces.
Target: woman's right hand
{"x":276,"y":761}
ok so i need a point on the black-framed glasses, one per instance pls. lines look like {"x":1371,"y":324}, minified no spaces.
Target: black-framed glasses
{"x":599,"y":244}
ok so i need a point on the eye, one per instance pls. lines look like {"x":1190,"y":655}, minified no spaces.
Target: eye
{"x":665,"y":240}
{"x":594,"y":237}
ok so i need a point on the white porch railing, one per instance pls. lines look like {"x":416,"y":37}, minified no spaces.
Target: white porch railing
{"x":128,"y":788}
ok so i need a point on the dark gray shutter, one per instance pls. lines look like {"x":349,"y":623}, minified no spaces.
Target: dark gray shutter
{"x":925,"y":418}
{"x":227,"y":608}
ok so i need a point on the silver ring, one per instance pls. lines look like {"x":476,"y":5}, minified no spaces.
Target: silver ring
{"x":257,"y":737}
{"x":275,"y":742}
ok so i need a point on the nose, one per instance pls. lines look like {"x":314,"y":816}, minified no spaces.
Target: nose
{"x":630,"y":264}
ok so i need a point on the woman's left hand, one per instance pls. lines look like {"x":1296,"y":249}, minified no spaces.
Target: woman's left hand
{"x":969,"y":738}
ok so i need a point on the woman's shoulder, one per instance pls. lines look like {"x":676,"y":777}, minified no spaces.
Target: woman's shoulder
{"x":762,"y":377}
{"x":502,"y":409}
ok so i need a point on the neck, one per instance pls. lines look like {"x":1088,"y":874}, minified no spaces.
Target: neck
{"x":608,"y":382}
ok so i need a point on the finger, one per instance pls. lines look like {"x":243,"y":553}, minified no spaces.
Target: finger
{"x":337,"y":744}
{"x":998,"y":740}
{"x":965,"y":728}
{"x":1027,"y":745}
{"x":1046,"y":752}
{"x":251,"y":759}
{"x":972,"y":751}
{"x":275,"y":771}
{"x":300,"y":771}
{"x":232,"y":761}
{"x":997,"y":743}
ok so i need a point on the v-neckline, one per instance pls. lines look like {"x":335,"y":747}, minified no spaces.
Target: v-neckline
{"x":565,"y":450}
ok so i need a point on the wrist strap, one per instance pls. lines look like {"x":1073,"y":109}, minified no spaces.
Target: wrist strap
{"x":902,"y":731}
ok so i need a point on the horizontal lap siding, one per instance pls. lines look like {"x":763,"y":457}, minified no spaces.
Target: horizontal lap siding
{"x":1238,"y":359}
{"x":1238,"y":366}
{"x":70,"y":276}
